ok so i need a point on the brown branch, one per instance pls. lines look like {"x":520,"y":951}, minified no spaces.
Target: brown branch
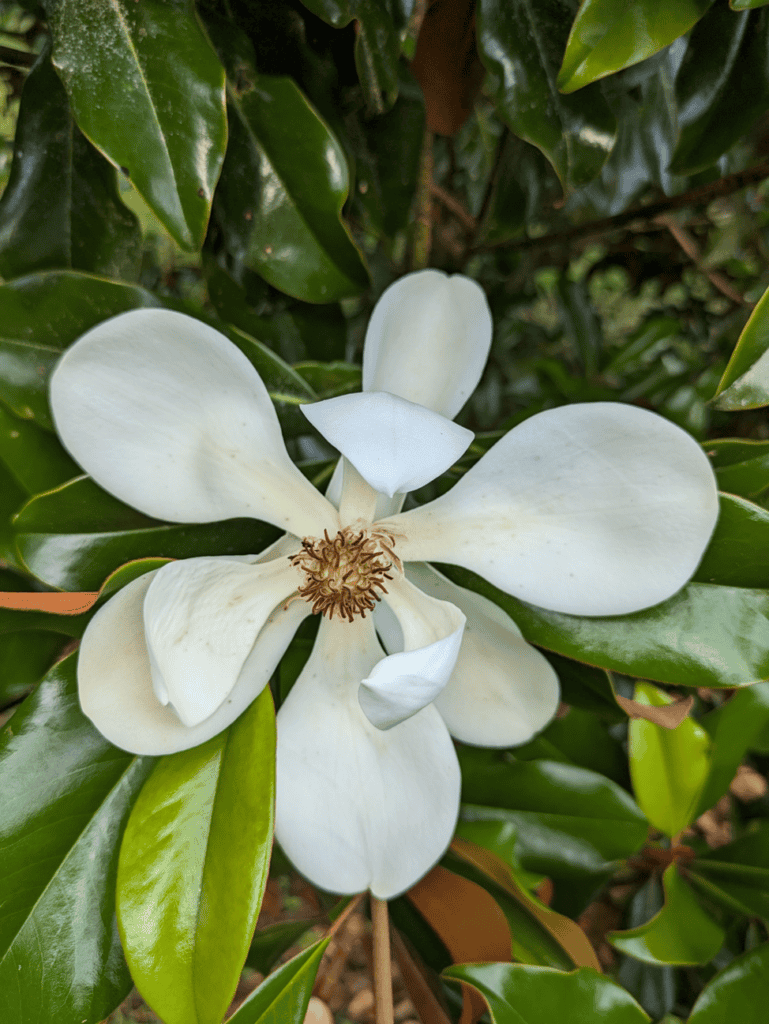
{"x":688,"y":243}
{"x":383,"y":982}
{"x":422,"y":996}
{"x":454,"y":206}
{"x":695,"y":196}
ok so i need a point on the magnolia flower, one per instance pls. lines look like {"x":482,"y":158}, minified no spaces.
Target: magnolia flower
{"x":598,"y":509}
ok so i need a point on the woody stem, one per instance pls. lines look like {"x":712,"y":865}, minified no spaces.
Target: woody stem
{"x":383,"y":985}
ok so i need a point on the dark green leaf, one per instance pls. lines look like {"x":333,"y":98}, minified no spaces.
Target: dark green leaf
{"x":285,"y":994}
{"x":279,"y":201}
{"x":579,"y":738}
{"x":34,"y":458}
{"x":741,"y":466}
{"x":681,"y":933}
{"x":194,"y":859}
{"x":733,"y":728}
{"x":66,"y":795}
{"x":580,"y":323}
{"x":737,"y":875}
{"x":41,"y":315}
{"x":745,"y":383}
{"x":608,"y":35}
{"x":377,"y":46}
{"x":519,"y":994}
{"x":521,"y":44}
{"x":668,"y":767}
{"x":739,"y":993}
{"x":705,"y":635}
{"x":652,"y":985}
{"x":722,"y":87}
{"x":56,"y":169}
{"x":587,"y":688}
{"x":24,"y":659}
{"x":148,"y":91}
{"x":738,"y":553}
{"x":73,"y":537}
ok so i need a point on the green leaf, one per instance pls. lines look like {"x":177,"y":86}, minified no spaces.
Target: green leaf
{"x":194,"y":859}
{"x":734,"y":728}
{"x":74,"y":536}
{"x":269,"y":944}
{"x":377,"y":45}
{"x":24,"y":659}
{"x":668,"y":767}
{"x":738,"y":993}
{"x":587,"y":688}
{"x":608,"y":35}
{"x":722,"y":86}
{"x":745,"y":383}
{"x":681,"y":933}
{"x":57,"y":170}
{"x":40,"y":316}
{"x":738,"y":553}
{"x":521,"y":44}
{"x":705,"y":635}
{"x":519,"y":994}
{"x":34,"y":458}
{"x":285,"y":994}
{"x":66,"y":795}
{"x":279,"y":202}
{"x":737,"y":875}
{"x":652,"y":985}
{"x":746,"y":5}
{"x":578,"y":738}
{"x":741,"y":466}
{"x":148,"y":91}
{"x":580,"y":323}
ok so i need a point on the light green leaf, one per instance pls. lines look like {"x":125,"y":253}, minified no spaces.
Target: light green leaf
{"x":668,"y":766}
{"x":519,"y":994}
{"x":608,"y":35}
{"x":283,"y":997}
{"x":194,"y":859}
{"x":681,"y":933}
{"x":745,"y":383}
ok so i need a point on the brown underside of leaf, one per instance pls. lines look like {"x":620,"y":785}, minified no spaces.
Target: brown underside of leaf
{"x":57,"y":604}
{"x":669,"y":717}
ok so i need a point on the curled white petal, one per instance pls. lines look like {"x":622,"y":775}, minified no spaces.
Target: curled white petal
{"x":168,"y":415}
{"x":394,"y":444}
{"x":431,"y":320}
{"x":115,"y":683}
{"x":201,"y":619}
{"x":595,"y":509}
{"x":357,"y":808}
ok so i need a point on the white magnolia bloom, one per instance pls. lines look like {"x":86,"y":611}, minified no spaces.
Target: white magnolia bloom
{"x":598,"y":509}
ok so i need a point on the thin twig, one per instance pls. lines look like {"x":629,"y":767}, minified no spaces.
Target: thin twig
{"x":454,"y":206}
{"x":489,"y":191}
{"x":695,"y":196}
{"x":383,"y":984}
{"x":688,"y":243}
{"x":344,"y":917}
{"x":423,"y":229}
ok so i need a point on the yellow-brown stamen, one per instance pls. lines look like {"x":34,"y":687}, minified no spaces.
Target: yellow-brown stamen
{"x":344,"y":574}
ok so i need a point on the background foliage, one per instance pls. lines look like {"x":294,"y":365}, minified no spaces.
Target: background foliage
{"x":601,"y":169}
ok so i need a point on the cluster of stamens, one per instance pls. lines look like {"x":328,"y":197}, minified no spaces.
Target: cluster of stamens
{"x":343,"y":575}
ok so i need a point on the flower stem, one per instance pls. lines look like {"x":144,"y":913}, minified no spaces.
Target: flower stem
{"x":423,"y":229}
{"x":383,"y":985}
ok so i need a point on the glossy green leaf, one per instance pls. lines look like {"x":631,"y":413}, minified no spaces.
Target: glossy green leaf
{"x":284,"y":996}
{"x":654,"y":986}
{"x":519,"y":994}
{"x":24,"y":660}
{"x":668,"y":767}
{"x":521,"y":44}
{"x":722,"y":86}
{"x":66,"y":795}
{"x":741,"y":466}
{"x":279,"y":201}
{"x":377,"y":45}
{"x":565,"y":822}
{"x":125,"y":67}
{"x":738,"y":993}
{"x":681,"y":933}
{"x":73,"y":537}
{"x":587,"y":688}
{"x":13,"y":620}
{"x":737,"y":875}
{"x":608,"y":35}
{"x":745,"y":383}
{"x":33,"y":457}
{"x":56,"y":169}
{"x":706,"y":635}
{"x":734,"y":728}
{"x":581,"y":739}
{"x":194,"y":858}
{"x":271,"y":942}
{"x":738,"y":553}
{"x":40,"y":315}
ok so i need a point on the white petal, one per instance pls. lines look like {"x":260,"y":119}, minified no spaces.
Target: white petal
{"x":357,"y":808}
{"x":599,"y":509}
{"x":428,"y":340}
{"x":168,"y":415}
{"x":201,"y":619}
{"x":502,"y":690}
{"x":395,"y":445}
{"x":115,"y":684}
{"x":385,"y":506}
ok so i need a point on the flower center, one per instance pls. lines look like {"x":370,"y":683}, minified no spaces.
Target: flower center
{"x":344,"y":574}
